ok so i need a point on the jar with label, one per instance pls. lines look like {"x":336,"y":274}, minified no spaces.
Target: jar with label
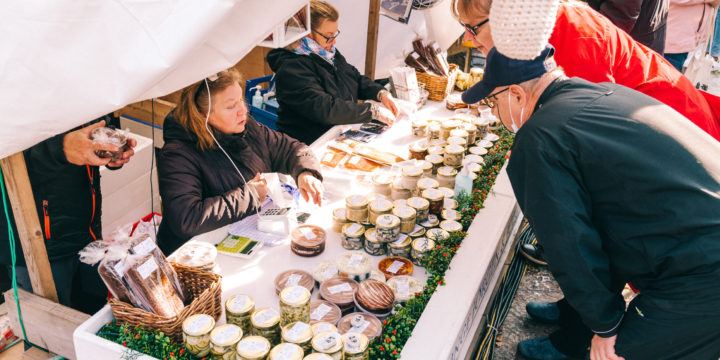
{"x":410,"y":177}
{"x":374,"y":297}
{"x":196,"y":334}
{"x":483,"y":126}
{"x":426,"y":167}
{"x":377,"y":275}
{"x":324,"y":270}
{"x":437,"y":142}
{"x":435,"y":200}
{"x":387,"y":228}
{"x":352,"y":238}
{"x":436,"y":160}
{"x":432,"y":222}
{"x":322,"y":326}
{"x":399,"y":202}
{"x":407,"y":216}
{"x":286,"y":351}
{"x":393,"y":266}
{"x":405,"y":287}
{"x":450,"y":204}
{"x":485,"y":144}
{"x":223,"y":340}
{"x":453,"y":156}
{"x":457,"y":140}
{"x":451,"y":226}
{"x":421,"y":207}
{"x":418,"y":150}
{"x":339,"y":219}
{"x":478,"y":150}
{"x":382,"y":184}
{"x":436,"y":150}
{"x":329,"y":343}
{"x":324,"y":311}
{"x":437,"y":235}
{"x":356,"y":208}
{"x":491,"y":137}
{"x":373,"y":246}
{"x":294,"y":305}
{"x":355,"y":265}
{"x":399,"y":191}
{"x":266,"y":323}
{"x":461,"y":133}
{"x":474,"y":168}
{"x":356,"y":346}
{"x":298,"y":333}
{"x":378,"y":207}
{"x":450,"y":214}
{"x":420,"y":247}
{"x":417,"y":232}
{"x":339,"y":291}
{"x":294,"y":277}
{"x":238,"y":309}
{"x":473,"y":158}
{"x":252,"y":348}
{"x":434,"y":131}
{"x":361,"y":322}
{"x":448,"y":126}
{"x":420,"y":128}
{"x":400,"y":247}
{"x":447,"y":192}
{"x":446,"y":177}
{"x":426,"y":183}
{"x":472,"y":132}
{"x":307,"y":240}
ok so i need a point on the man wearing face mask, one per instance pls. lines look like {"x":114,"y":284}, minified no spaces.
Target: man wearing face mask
{"x":590,"y":168}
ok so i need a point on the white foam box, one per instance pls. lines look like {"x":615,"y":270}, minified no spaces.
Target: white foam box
{"x":89,"y":346}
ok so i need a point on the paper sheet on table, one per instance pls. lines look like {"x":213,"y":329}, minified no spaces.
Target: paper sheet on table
{"x":248,"y":227}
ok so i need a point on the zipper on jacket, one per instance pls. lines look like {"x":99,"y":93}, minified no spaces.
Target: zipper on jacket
{"x":46,"y":218}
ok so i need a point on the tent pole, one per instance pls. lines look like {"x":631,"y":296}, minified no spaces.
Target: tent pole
{"x":372,"y":38}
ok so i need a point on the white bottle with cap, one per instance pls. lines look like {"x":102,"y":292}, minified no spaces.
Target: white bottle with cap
{"x":463,"y":181}
{"x":257,"y":99}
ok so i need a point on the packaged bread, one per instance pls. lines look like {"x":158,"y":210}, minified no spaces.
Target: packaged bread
{"x":356,"y":162}
{"x":331,"y":158}
{"x":112,"y":268}
{"x":377,"y":155}
{"x":152,"y":287}
{"x":143,"y":245}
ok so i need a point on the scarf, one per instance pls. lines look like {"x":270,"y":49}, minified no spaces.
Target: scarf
{"x":309,"y":46}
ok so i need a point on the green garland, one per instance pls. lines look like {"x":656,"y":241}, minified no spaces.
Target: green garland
{"x":140,"y":340}
{"x":398,"y":327}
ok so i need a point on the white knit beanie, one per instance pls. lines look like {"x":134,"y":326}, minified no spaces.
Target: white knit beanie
{"x":522,"y":28}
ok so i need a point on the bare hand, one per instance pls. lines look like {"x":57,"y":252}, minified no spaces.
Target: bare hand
{"x":126,"y":155}
{"x":603,"y":348}
{"x":385,"y":116}
{"x":259,"y":185}
{"x":388,"y":102}
{"x":80,"y":150}
{"x":310,"y":187}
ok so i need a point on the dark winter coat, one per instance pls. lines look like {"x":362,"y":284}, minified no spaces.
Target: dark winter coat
{"x":201,"y":191}
{"x":314,"y":95}
{"x":644,"y":20}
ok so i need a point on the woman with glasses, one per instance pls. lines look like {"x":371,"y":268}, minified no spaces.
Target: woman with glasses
{"x":317,"y":89}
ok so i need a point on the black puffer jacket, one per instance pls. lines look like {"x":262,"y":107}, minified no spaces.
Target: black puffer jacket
{"x":201,"y":191}
{"x":644,"y":20}
{"x":314,"y":95}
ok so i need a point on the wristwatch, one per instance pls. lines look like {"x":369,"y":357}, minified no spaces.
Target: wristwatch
{"x":381,"y":93}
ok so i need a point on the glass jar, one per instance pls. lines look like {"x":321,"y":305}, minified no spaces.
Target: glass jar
{"x":398,"y":203}
{"x":352,"y":238}
{"x":437,"y":142}
{"x":329,"y":343}
{"x":453,"y":156}
{"x":376,"y":275}
{"x":457,"y":140}
{"x":478,"y":150}
{"x":324,"y":270}
{"x":196,"y":334}
{"x":294,"y":305}
{"x":404,"y":287}
{"x":460,"y":132}
{"x":238,"y":309}
{"x":324,"y":311}
{"x":400,"y":247}
{"x":434,"y":131}
{"x":223,"y":340}
{"x":450,"y":204}
{"x":437,"y":235}
{"x":448,"y":126}
{"x":491,"y":137}
{"x":449,"y":214}
{"x":354,"y":265}
{"x":482,"y":125}
{"x":436,"y":150}
{"x":339,"y":219}
{"x":451,"y":226}
{"x":382,"y":184}
{"x":418,"y":231}
{"x":266,"y":323}
{"x":432,"y":221}
{"x":474,"y":168}
{"x":300,"y":334}
{"x":485,"y":143}
{"x":407,"y":216}
{"x":286,"y":351}
{"x":373,"y":246}
{"x":356,"y":346}
{"x":378,"y":207}
{"x":321,"y":327}
{"x":389,"y":266}
{"x":421,"y":207}
{"x":447,"y":192}
{"x":419,"y":150}
{"x":400,"y":192}
{"x":473,"y":158}
{"x":420,"y":247}
{"x":426,"y":167}
{"x":472,"y":132}
{"x":435,"y":200}
{"x":410,"y":177}
{"x":339,"y":291}
{"x":387,"y":228}
{"x":436,"y":161}
{"x":356,"y":208}
{"x":446,"y":177}
{"x":252,"y":348}
{"x":426,"y":183}
{"x":420,"y":128}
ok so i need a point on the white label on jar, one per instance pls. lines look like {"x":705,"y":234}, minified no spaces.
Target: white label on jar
{"x":340,"y":288}
{"x":120,"y":267}
{"x":251,"y":345}
{"x":329,"y":340}
{"x":238,"y":303}
{"x":416,"y":229}
{"x":403,"y":288}
{"x":383,"y":220}
{"x":360,"y":328}
{"x":354,"y":160}
{"x":144,"y":247}
{"x":327,"y":158}
{"x":201,"y":322}
{"x":296,"y":331}
{"x":320,"y":312}
{"x":293,"y":280}
{"x":448,"y":203}
{"x":395,"y":267}
{"x":307,"y":233}
{"x":286,"y":353}
{"x":323,"y":328}
{"x":355,"y":259}
{"x":401,"y":239}
{"x":147,"y":268}
{"x":294,"y":294}
{"x":352,"y":229}
{"x":226,"y":334}
{"x":266,"y":315}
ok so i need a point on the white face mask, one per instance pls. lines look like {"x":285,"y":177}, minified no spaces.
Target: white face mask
{"x":512,"y":120}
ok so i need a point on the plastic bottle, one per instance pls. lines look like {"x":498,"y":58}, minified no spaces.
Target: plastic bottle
{"x":257,"y":99}
{"x":463,"y":181}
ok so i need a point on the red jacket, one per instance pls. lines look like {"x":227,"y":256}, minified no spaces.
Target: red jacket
{"x":589,"y":46}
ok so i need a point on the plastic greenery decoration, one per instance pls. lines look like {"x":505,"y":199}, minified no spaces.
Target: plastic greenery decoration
{"x":140,"y":340}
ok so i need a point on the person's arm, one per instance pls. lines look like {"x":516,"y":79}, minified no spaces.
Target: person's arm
{"x":553,"y":196}
{"x":288,"y":155}
{"x":623,"y":13}
{"x":367,"y":89}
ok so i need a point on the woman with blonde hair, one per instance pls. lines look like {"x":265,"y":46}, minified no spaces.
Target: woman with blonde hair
{"x":214,"y":154}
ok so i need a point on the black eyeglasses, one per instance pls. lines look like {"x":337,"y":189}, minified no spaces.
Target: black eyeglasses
{"x":473,"y":29}
{"x":492,"y":99}
{"x":328,"y":38}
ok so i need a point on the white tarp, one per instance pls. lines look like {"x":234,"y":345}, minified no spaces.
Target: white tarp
{"x":65,"y":62}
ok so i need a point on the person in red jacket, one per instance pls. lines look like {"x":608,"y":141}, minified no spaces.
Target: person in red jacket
{"x":589,"y":46}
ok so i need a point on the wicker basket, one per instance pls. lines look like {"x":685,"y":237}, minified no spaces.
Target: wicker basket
{"x":439,"y":87}
{"x":201,"y":286}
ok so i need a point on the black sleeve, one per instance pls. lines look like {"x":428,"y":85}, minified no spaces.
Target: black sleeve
{"x":550,"y":190}
{"x":48,"y":155}
{"x":301,"y":91}
{"x":367,"y":89}
{"x":290,"y":156}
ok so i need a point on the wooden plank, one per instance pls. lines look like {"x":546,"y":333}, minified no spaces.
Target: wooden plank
{"x":13,"y":353}
{"x":28,"y":225}
{"x":372,"y":37}
{"x":47,"y":324}
{"x":37,"y":354}
{"x":143,"y":110}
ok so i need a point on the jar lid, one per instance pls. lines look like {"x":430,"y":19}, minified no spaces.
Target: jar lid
{"x":398,"y":186}
{"x":355,"y":343}
{"x":339,"y":214}
{"x":381,"y":205}
{"x":198,"y":324}
{"x":412,"y":171}
{"x":419,"y":146}
{"x":297,"y":332}
{"x":434,"y":127}
{"x":449,"y":214}
{"x":404,"y":287}
{"x":226,"y":335}
{"x":427,"y":183}
{"x":446,"y":191}
{"x":435,"y":150}
{"x":473,"y":158}
{"x":327,"y":342}
{"x":491,"y":137}
{"x":375,"y":296}
{"x":292,"y":278}
{"x":382,"y":179}
{"x":399,"y":203}
{"x":422,"y":244}
{"x":418,"y":203}
{"x":354,"y":263}
{"x":295,"y":295}
{"x":424,"y":164}
{"x":253,"y":347}
{"x":485,"y":143}
{"x":265,"y":318}
{"x":460,"y":132}
{"x":404,"y":212}
{"x":450,"y":204}
{"x":403,"y":241}
{"x":478,"y":150}
{"x":437,"y":142}
{"x":239,"y":304}
{"x":357,"y":201}
{"x":308,"y":238}
{"x":318,"y":356}
{"x":322,"y":326}
{"x":478,"y":121}
{"x":470,"y":128}
{"x":446,"y":171}
{"x":361,"y":322}
{"x":387,"y":221}
{"x":474,"y":167}
{"x":450,"y":124}
{"x":394,"y":265}
{"x":437,"y":234}
{"x":433,"y":194}
{"x":417,"y":231}
{"x":454,"y":149}
{"x":286,"y":351}
{"x":420,"y":122}
{"x":324,"y":311}
{"x":450,"y":226}
{"x":325,"y":270}
{"x":432,"y":221}
{"x":353,"y":230}
{"x":434,"y":158}
{"x":456,"y":140}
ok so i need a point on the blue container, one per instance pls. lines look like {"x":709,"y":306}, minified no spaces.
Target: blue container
{"x":268,"y":118}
